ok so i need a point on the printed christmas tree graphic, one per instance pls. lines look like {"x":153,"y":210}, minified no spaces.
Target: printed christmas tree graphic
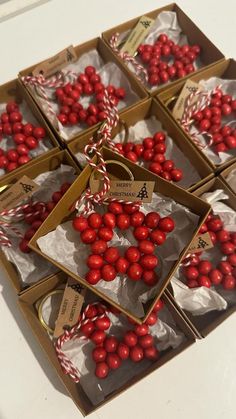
{"x":143,"y":192}
{"x":27,"y":188}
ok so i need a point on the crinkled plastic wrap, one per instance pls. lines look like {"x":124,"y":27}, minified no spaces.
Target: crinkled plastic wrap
{"x":166,"y":22}
{"x":166,"y":336}
{"x":64,"y":246}
{"x":7,"y":142}
{"x":147,"y":128}
{"x":231,"y":179}
{"x":199,"y":301}
{"x":229,"y":88}
{"x":109,"y":72}
{"x":30,"y":266}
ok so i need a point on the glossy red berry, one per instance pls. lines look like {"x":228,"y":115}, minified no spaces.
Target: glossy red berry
{"x":101,"y":370}
{"x":108,"y":273}
{"x":166,"y":224}
{"x":80,"y":223}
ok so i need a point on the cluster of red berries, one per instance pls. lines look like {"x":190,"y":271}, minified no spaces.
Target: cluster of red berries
{"x":88,"y":84}
{"x":152,"y":150}
{"x":210,"y":120}
{"x":35,"y":214}
{"x":26,"y":137}
{"x":136,"y":344}
{"x":202,"y":272}
{"x":167,"y":60}
{"x":137,"y":262}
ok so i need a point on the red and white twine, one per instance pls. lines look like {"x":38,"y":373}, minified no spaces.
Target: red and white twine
{"x":191,"y":108}
{"x":140,"y":71}
{"x":14,"y":215}
{"x":67,"y":366}
{"x":40,"y":83}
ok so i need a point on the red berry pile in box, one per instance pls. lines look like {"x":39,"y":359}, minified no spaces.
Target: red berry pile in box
{"x":201,"y":272}
{"x":152,"y":152}
{"x":72,"y":112}
{"x":167,"y":61}
{"x":137,"y":262}
{"x":109,"y":352}
{"x":35,"y":214}
{"x":26,"y":137}
{"x":211,"y":120}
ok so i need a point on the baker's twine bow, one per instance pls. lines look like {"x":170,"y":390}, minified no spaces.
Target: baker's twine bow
{"x":66,"y":365}
{"x":140,"y":71}
{"x":14,"y":215}
{"x":191,"y":108}
{"x":39,"y":83}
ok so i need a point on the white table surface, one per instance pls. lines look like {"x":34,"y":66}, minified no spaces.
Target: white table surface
{"x":201,"y":382}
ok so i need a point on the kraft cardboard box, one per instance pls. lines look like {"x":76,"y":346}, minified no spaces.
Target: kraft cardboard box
{"x":202,"y":325}
{"x":209,"y":52}
{"x":107,"y":56}
{"x":13,"y":91}
{"x":145,"y":110}
{"x":28,"y":301}
{"x":226,"y":70}
{"x":50,"y":163}
{"x":229,"y":175}
{"x":63,"y":212}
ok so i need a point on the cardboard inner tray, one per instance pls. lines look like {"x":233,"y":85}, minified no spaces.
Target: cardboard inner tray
{"x":225,"y":69}
{"x":49,"y":163}
{"x":63,"y":212}
{"x":209,"y":52}
{"x":204,"y":324}
{"x":14,"y":91}
{"x":225,"y":173}
{"x":144,"y":110}
{"x":107,"y":56}
{"x":27,"y":304}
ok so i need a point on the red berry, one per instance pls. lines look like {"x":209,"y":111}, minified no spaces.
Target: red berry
{"x":204,"y":267}
{"x":148,"y":143}
{"x":166,"y":224}
{"x":135,"y":271}
{"x":227,"y":248}
{"x":215,"y":276}
{"x":146,"y":341}
{"x":108,"y":273}
{"x":80,"y":223}
{"x":101,"y":370}
{"x":111,"y":255}
{"x":160,"y":148}
{"x":149,"y":262}
{"x":98,"y":337}
{"x":226,"y":109}
{"x":121,"y":265}
{"x":215,"y":224}
{"x":113,"y":361}
{"x":229,"y":282}
{"x":204,"y":281}
{"x":150,"y":278}
{"x":155,"y":168}
{"x":158,"y":237}
{"x":192,"y":283}
{"x":99,"y":354}
{"x":130,"y":208}
{"x":152,"y":219}
{"x":123,"y":221}
{"x":95,"y":220}
{"x":146,"y":247}
{"x":151,"y":319}
{"x":115,"y":208}
{"x":103,"y":323}
{"x":95,"y":261}
{"x":19,"y":138}
{"x":132,"y":254}
{"x":191,"y":272}
{"x":39,"y":132}
{"x":141,"y":233}
{"x":232,"y":259}
{"x":141,"y":329}
{"x":159,"y":137}
{"x":136,"y":353}
{"x":123,"y":351}
{"x":56,"y":196}
{"x":151,"y":353}
{"x":24,"y":246}
{"x":105,"y":233}
{"x":130,"y":339}
{"x":93,"y":276}
{"x":176,"y":175}
{"x":110,"y":344}
{"x":223,"y":236}
{"x":88,"y":236}
{"x":137,"y":219}
{"x":12,"y":155}
{"x":158,"y":306}
{"x":109,"y":220}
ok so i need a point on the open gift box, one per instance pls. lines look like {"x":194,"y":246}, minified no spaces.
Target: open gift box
{"x":204,"y":308}
{"x":178,"y":331}
{"x":144,"y":120}
{"x":25,"y":269}
{"x":56,"y":239}
{"x":222,"y":73}
{"x":10,"y":92}
{"x":96,"y":53}
{"x":229,"y":176}
{"x":172,"y":21}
